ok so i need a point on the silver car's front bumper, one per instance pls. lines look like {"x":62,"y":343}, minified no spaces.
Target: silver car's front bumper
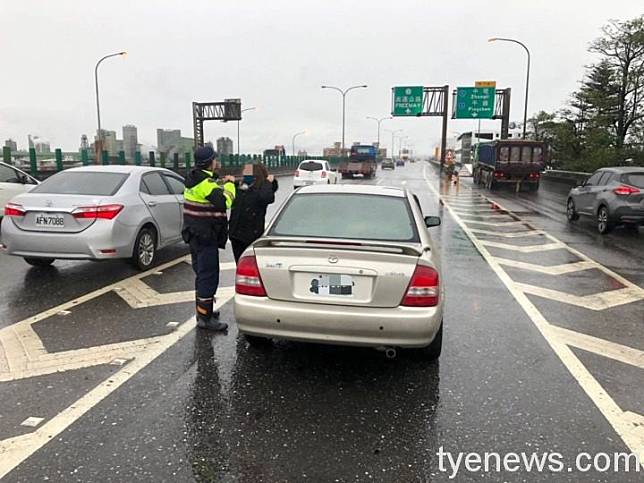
{"x":334,"y":324}
{"x":85,"y":245}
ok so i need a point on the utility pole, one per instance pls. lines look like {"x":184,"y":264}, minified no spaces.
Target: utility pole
{"x":379,"y":121}
{"x":293,"y":140}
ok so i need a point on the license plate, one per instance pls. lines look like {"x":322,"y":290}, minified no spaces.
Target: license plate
{"x":50,"y":220}
{"x":332,"y":285}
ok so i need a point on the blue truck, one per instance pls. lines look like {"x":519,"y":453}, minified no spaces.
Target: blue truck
{"x":508,"y":161}
{"x":362,"y":160}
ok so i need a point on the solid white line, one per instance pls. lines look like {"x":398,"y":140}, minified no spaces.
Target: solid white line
{"x":604,"y":402}
{"x":523,"y":249}
{"x":595,"y":301}
{"x":548,"y":269}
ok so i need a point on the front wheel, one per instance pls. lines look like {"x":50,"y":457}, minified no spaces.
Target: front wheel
{"x":571,"y":211}
{"x":603,"y":225}
{"x":39,"y":262}
{"x":144,"y":249}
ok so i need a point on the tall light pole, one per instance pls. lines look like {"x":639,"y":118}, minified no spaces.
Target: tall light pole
{"x":393,"y":133}
{"x":344,"y":95}
{"x":379,"y":121}
{"x":98,"y":104}
{"x":527,"y":77}
{"x":242,"y":111}
{"x":293,"y":140}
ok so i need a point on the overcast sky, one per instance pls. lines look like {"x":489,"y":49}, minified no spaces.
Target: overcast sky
{"x":274,"y":55}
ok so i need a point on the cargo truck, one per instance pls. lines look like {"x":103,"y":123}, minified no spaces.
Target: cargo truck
{"x":508,"y":161}
{"x":362,"y":160}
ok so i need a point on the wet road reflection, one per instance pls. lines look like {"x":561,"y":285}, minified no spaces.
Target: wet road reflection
{"x":296,"y":411}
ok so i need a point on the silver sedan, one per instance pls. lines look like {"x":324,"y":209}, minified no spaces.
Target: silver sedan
{"x":348,"y":265}
{"x":96,"y":213}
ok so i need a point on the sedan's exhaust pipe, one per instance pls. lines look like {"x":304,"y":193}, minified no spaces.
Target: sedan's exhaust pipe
{"x":390,"y":352}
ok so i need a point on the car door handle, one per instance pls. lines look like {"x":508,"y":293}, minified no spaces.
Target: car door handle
{"x":152,"y":203}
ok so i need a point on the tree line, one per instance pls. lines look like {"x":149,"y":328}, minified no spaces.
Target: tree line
{"x":603,"y":121}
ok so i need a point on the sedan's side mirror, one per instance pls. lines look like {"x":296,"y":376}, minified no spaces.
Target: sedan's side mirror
{"x":431,"y":221}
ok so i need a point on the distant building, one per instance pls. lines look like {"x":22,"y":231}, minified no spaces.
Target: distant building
{"x":302,"y":153}
{"x":119,"y":146}
{"x":168,"y":139}
{"x":42,"y":147}
{"x":224,"y":146}
{"x":109,"y":141}
{"x":336,"y":150}
{"x":12,"y":145}
{"x":130,"y":141}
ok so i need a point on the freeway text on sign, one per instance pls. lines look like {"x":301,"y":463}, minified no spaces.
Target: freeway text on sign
{"x":475,"y":102}
{"x":407,"y":101}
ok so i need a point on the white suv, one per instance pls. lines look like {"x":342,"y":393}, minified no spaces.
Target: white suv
{"x":314,"y":171}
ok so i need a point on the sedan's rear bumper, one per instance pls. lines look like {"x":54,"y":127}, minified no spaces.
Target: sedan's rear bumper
{"x":334,"y":324}
{"x":297,"y":183}
{"x":85,"y":245}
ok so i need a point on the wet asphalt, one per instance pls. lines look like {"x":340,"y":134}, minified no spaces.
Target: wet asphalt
{"x":211,"y":408}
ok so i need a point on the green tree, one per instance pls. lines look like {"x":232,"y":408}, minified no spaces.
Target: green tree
{"x":622,"y":49}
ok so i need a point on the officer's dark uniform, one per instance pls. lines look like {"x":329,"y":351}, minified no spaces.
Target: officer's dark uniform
{"x":205,"y":229}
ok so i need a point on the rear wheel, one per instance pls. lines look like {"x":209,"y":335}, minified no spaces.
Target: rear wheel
{"x":144,"y":249}
{"x":433,"y":350}
{"x":571,"y":211}
{"x":39,"y":262}
{"x":603,"y":224}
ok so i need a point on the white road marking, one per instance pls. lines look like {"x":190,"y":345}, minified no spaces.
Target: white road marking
{"x":32,"y":422}
{"x":523,"y":249}
{"x":494,"y":223}
{"x":513,"y":234}
{"x":621,"y":421}
{"x":596,"y":301}
{"x":602,"y":347}
{"x":548,"y":269}
{"x":14,"y":451}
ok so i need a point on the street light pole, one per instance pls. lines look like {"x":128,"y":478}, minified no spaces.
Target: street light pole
{"x":98,"y":104}
{"x":527,"y":77}
{"x":344,"y":95}
{"x":242,"y":111}
{"x":293,"y":140}
{"x":379,"y":121}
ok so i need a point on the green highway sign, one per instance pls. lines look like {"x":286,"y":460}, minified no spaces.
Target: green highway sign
{"x":407,"y":101}
{"x":475,"y":102}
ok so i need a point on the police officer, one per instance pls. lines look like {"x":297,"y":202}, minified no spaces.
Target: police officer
{"x":205,"y":229}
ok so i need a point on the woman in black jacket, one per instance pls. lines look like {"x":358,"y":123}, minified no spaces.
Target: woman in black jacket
{"x":248,"y":213}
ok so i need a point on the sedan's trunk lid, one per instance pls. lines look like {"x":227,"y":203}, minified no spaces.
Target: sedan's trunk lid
{"x":357,"y":274}
{"x":54,"y":212}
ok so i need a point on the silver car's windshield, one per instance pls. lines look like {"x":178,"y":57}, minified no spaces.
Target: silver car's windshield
{"x":343,"y":215}
{"x":82,"y":183}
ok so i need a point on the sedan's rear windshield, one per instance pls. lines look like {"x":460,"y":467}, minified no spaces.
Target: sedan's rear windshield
{"x":82,"y":183}
{"x":311,"y":166}
{"x":343,"y":215}
{"x":634,"y":179}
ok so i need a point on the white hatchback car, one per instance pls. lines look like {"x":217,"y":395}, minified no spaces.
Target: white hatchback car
{"x":13,"y":182}
{"x":314,"y":171}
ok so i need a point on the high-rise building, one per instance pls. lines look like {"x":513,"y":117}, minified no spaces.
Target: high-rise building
{"x":130,"y":141}
{"x":168,"y":140}
{"x":224,"y":146}
{"x":12,"y":145}
{"x":109,"y":141}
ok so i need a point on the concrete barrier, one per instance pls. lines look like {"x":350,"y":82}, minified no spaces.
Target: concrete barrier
{"x":568,"y":178}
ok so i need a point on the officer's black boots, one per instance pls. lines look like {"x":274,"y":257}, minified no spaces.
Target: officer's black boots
{"x":206,"y":318}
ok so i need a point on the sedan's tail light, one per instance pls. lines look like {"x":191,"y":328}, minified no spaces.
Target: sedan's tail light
{"x":423,"y":290}
{"x":247,"y":280}
{"x":297,"y":173}
{"x":14,"y":209}
{"x":104,"y":212}
{"x":323,"y":174}
{"x":626,"y":190}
